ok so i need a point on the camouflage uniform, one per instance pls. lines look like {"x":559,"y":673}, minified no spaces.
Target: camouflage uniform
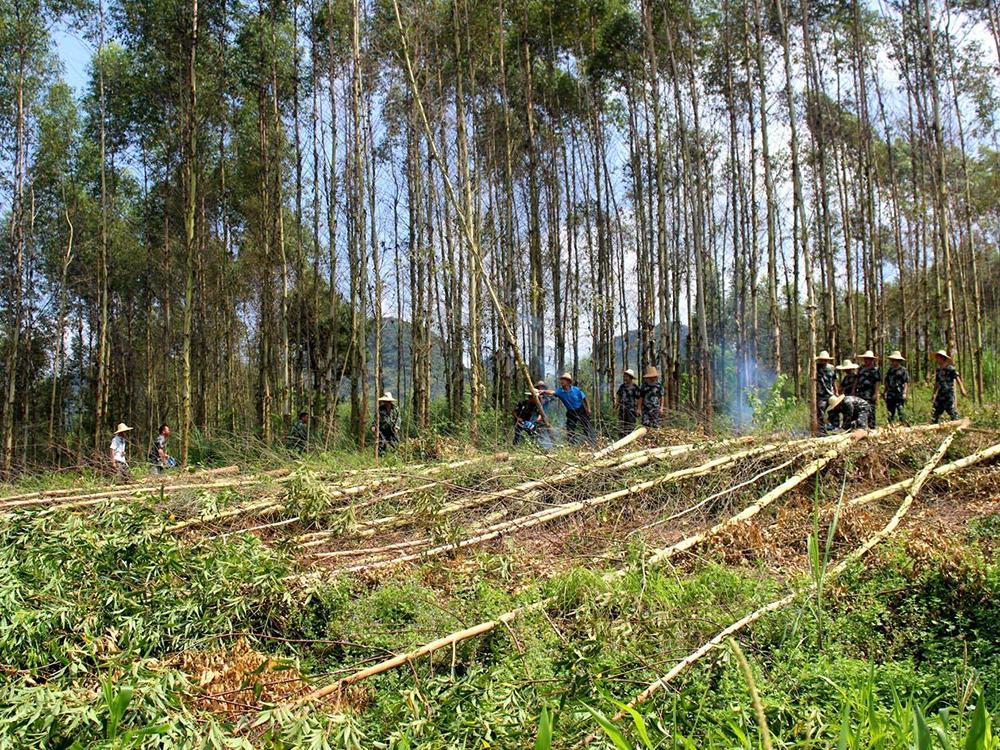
{"x":628,"y":407}
{"x":854,"y":413}
{"x":868,"y":380}
{"x":298,"y":437}
{"x":848,"y":382}
{"x":387,"y":421}
{"x":944,"y":399}
{"x":825,"y":375}
{"x":896,"y":379}
{"x":652,"y":395}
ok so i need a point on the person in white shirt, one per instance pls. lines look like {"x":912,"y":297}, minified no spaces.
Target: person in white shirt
{"x":118,"y":460}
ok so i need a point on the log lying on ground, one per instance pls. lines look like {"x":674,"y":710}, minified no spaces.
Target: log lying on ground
{"x":265,"y":506}
{"x":619,"y":444}
{"x":557,"y":512}
{"x":453,"y":639}
{"x":661,"y":682}
{"x":167,"y":479}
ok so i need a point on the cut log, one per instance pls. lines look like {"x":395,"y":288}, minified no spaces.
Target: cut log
{"x":619,"y":444}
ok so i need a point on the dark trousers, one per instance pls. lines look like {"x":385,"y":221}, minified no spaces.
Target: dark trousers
{"x":387,"y":439}
{"x":626,"y":421}
{"x":895,"y":408}
{"x":822,"y":420}
{"x":651,"y":419}
{"x":871,"y":414}
{"x":578,"y":426}
{"x":944,"y":404}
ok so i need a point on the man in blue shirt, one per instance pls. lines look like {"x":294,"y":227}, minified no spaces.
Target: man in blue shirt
{"x":578,"y":425}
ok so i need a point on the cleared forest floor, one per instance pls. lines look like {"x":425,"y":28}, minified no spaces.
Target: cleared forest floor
{"x":493,"y":600}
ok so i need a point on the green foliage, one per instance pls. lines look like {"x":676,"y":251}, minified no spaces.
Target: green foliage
{"x":771,"y":410}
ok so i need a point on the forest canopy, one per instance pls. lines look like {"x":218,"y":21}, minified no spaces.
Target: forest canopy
{"x":251,"y":209}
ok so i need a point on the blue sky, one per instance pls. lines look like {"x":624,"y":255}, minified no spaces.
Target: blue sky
{"x":75,"y":54}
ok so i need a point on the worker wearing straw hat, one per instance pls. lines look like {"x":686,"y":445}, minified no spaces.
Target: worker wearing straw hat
{"x":386,"y":425}
{"x":826,"y":378}
{"x":945,"y":378}
{"x":627,"y":402}
{"x":848,"y":377}
{"x":651,"y":404}
{"x":897,"y":387}
{"x":119,"y":445}
{"x":851,"y":411}
{"x":869,"y":377}
{"x":578,"y":425}
{"x":527,"y":418}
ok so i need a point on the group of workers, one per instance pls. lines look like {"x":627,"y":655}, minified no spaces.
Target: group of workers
{"x":633,"y":403}
{"x":846,"y":397}
{"x":158,"y":457}
{"x":849,"y":402}
{"x":385,"y":427}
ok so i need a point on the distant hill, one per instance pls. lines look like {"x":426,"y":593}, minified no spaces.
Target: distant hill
{"x":396,"y":354}
{"x":632,"y":339}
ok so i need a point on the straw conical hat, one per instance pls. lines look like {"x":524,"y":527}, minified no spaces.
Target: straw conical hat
{"x":834,"y":402}
{"x":824,"y":356}
{"x":848,"y":365}
{"x":868,"y":355}
{"x":897,"y":355}
{"x":942,"y":353}
{"x":651,"y":372}
{"x":387,"y":398}
{"x":122,"y":427}
{"x":630,"y":372}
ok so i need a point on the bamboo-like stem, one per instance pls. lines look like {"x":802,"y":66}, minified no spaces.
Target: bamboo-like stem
{"x":263,"y":506}
{"x":758,"y":707}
